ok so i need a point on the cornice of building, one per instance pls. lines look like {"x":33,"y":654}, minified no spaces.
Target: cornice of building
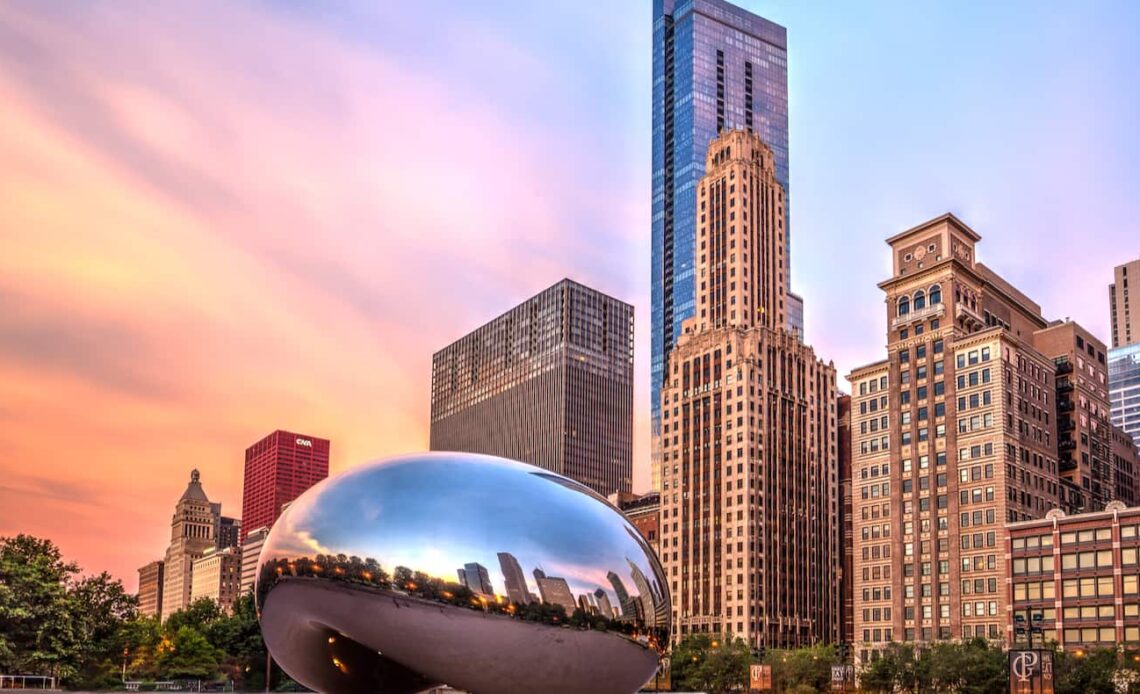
{"x":930,"y":223}
{"x":868,"y":369}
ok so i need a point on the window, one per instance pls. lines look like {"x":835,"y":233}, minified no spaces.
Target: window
{"x":904,"y":305}
{"x":919,"y":300}
{"x":935,"y":295}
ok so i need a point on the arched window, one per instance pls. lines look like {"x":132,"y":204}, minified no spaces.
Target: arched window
{"x":935,"y":295}
{"x":919,"y":300}
{"x":904,"y":305}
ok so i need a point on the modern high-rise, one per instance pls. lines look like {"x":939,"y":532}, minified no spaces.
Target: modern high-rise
{"x":191,"y":535}
{"x":1125,"y":321}
{"x":515,"y":579}
{"x":549,"y":383}
{"x":749,"y":497}
{"x":1125,"y":467}
{"x":846,"y":536}
{"x":605,"y":608}
{"x":217,"y":576}
{"x":983,"y":413}
{"x":250,"y":554}
{"x":716,"y":67}
{"x":278,"y":469}
{"x":150,"y":589}
{"x":555,"y":591}
{"x":475,"y":576}
{"x":1124,"y":388}
{"x":228,"y":533}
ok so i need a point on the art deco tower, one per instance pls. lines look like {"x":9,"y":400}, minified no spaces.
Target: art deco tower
{"x":716,"y":67}
{"x":192,"y":532}
{"x":749,"y":525}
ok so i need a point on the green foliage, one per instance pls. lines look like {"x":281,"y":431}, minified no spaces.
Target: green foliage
{"x":711,"y":663}
{"x":37,"y":634}
{"x":188,"y":655}
{"x":975,"y":667}
{"x":199,"y":615}
{"x":1093,"y":672}
{"x":808,"y":669}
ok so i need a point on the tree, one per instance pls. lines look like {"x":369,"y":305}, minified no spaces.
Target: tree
{"x":198,"y":615}
{"x":238,"y":638}
{"x":1089,"y":672}
{"x":969,"y":668}
{"x":188,"y":655}
{"x":36,"y":630}
{"x":102,"y":610}
{"x":807,"y":668}
{"x":711,"y":663}
{"x":898,"y":668}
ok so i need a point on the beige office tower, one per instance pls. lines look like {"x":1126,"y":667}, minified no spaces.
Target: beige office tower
{"x":749,"y":523}
{"x":250,"y":553}
{"x":217,"y":576}
{"x":150,"y":589}
{"x":191,"y":534}
{"x":953,"y":435}
{"x":1125,"y":310}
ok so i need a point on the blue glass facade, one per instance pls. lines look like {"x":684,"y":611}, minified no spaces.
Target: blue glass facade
{"x":1124,"y":388}
{"x":715,"y":67}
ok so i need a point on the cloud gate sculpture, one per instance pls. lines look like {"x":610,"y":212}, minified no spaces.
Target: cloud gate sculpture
{"x":477,"y":572}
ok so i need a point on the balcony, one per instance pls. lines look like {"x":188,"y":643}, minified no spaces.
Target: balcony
{"x":921,"y":314}
{"x":1064,"y":386}
{"x":1065,"y":367}
{"x":964,"y":310}
{"x":1067,"y":445}
{"x":1065,"y":406}
{"x":1066,"y":465}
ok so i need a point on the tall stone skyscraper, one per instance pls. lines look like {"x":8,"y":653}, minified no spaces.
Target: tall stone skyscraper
{"x":716,"y":67}
{"x":1123,"y":308}
{"x":983,"y":413}
{"x":278,"y":469}
{"x":191,"y":533}
{"x":1124,"y":357}
{"x":549,"y":383}
{"x":750,"y":519}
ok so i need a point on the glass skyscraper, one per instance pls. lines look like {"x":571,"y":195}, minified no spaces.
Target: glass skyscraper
{"x":715,"y":67}
{"x":1124,"y":388}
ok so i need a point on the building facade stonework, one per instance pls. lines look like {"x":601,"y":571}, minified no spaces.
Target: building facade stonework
{"x":749,"y":519}
{"x":716,"y":67}
{"x":216,"y":576}
{"x":953,"y":435}
{"x":192,"y":531}
{"x":1076,"y":579}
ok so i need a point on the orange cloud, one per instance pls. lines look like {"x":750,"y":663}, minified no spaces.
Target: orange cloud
{"x":209,"y":234}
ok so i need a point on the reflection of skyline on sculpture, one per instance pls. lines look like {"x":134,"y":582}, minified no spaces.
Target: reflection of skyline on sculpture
{"x":449,"y":543}
{"x":401,"y":572}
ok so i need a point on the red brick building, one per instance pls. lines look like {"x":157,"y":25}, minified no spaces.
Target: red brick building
{"x":278,"y":469}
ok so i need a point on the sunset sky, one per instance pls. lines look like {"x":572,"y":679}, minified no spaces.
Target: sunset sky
{"x":218,"y":219}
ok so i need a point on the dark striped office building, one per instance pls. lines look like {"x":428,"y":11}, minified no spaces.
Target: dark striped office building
{"x":549,"y":383}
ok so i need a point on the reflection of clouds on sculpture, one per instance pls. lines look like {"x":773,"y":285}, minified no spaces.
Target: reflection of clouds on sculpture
{"x":447,"y":529}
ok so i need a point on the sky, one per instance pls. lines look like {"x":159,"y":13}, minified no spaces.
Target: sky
{"x":220,"y":219}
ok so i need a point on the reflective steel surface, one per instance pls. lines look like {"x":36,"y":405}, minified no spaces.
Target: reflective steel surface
{"x":452,"y":568}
